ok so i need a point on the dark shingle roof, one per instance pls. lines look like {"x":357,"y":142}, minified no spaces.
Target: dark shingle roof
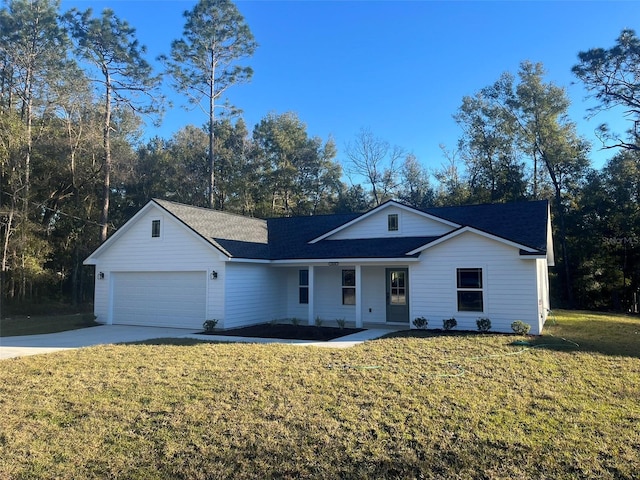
{"x":521,"y":222}
{"x":288,"y":238}
{"x":235,"y":235}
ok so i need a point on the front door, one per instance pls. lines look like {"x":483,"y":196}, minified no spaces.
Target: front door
{"x":398,"y":295}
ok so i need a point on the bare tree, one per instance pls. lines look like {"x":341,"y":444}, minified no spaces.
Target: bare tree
{"x":374,"y":159}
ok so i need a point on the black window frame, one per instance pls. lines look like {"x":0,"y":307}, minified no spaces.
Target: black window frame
{"x":155,"y":228}
{"x":470,"y":290}
{"x":393,"y":222}
{"x":303,"y":286}
{"x":348,"y":286}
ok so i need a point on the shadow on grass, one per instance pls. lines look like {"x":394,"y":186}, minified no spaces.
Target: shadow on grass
{"x":596,"y":334}
{"x":606,"y":334}
{"x":435,"y":333}
{"x":42,"y":324}
{"x":176,"y":342}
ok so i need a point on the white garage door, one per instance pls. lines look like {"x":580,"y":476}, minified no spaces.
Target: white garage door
{"x":160,"y":299}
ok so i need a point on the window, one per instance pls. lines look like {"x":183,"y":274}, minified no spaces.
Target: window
{"x":303,"y":286}
{"x":348,"y":287}
{"x":398,"y":288}
{"x":469,"y":282}
{"x":155,"y":228}
{"x":392,"y":222}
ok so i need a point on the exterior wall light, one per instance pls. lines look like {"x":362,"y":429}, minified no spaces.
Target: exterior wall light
{"x":101,"y":275}
{"x":214,"y":274}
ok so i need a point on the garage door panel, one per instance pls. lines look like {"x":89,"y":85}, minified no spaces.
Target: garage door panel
{"x":166,"y":299}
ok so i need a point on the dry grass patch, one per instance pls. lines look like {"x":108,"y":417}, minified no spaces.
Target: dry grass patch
{"x":440,"y":407}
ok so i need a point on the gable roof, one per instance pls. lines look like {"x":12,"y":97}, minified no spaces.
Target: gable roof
{"x":235,"y":235}
{"x":292,"y":238}
{"x":521,"y":224}
{"x":524,"y":223}
{"x":382,"y":206}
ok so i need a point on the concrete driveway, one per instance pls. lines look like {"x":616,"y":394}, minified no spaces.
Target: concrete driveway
{"x":85,"y":337}
{"x":11,"y":347}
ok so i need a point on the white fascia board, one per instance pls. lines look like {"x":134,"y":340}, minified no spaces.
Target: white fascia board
{"x":247,"y":260}
{"x":92,"y":259}
{"x":533,"y":256}
{"x":550,"y":253}
{"x":388,"y":204}
{"x":218,"y":248}
{"x":343,"y":261}
{"x":462,"y":230}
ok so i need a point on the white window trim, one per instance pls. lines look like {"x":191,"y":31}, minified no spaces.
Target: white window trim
{"x":343,"y":286}
{"x":484,"y":290}
{"x":161,"y":220}
{"x":397,"y":230}
{"x":301,"y":286}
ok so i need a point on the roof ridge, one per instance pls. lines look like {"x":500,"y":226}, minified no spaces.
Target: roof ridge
{"x":209,"y":210}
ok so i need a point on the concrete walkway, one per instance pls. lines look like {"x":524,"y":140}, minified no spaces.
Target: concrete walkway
{"x":11,"y":347}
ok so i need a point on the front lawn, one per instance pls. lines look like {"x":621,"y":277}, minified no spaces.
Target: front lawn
{"x":40,"y":324}
{"x":465,"y":406}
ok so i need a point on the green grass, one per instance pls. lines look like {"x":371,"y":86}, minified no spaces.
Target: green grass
{"x":454,"y":406}
{"x":34,"y":325}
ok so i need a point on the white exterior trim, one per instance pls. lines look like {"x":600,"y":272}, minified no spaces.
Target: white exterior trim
{"x":93,"y":259}
{"x":246,"y":260}
{"x":462,"y":230}
{"x":344,"y":261}
{"x":379,"y":208}
{"x":550,"y":253}
{"x":358,"y":296}
{"x":249,"y":291}
{"x":484,"y":268}
{"x":311,"y":287}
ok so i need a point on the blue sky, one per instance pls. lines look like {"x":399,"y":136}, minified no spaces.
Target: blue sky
{"x":398,"y":68}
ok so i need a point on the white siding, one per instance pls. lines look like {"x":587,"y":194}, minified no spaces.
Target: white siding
{"x":544,"y":303}
{"x":374,"y":294}
{"x":293,"y":308}
{"x":410,"y":225}
{"x":255,"y":293}
{"x":510,"y":290}
{"x":177,"y":249}
{"x":328,"y":295}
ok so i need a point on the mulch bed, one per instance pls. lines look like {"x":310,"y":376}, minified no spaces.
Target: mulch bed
{"x":289,"y":332}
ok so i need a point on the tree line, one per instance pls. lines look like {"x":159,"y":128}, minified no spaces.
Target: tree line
{"x":75,"y":88}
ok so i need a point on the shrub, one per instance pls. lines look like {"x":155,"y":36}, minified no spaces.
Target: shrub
{"x":210,"y":325}
{"x":420,"y":322}
{"x":520,"y":328}
{"x":449,"y":323}
{"x":318,"y":321}
{"x":484,"y":324}
{"x":341,"y":322}
{"x":295,"y":321}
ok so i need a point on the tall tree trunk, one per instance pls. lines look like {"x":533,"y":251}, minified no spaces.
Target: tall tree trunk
{"x":563,"y":234}
{"x":5,"y":248}
{"x":106,"y":140}
{"x":212,"y":117}
{"x":76,"y":269}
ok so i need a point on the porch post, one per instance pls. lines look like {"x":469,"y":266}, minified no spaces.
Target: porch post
{"x":311,"y":319}
{"x":358,"y":296}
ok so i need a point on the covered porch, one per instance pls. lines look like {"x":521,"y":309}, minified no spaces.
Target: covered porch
{"x":357,"y":293}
